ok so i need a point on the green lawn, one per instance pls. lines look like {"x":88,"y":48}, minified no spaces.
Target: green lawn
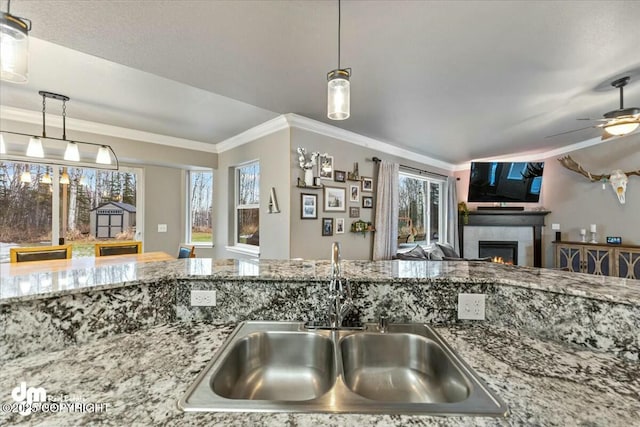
{"x":200,"y":237}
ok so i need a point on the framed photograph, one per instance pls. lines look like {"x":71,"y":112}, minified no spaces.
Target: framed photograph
{"x":308,"y":206}
{"x":325,"y":167}
{"x":354,"y":212}
{"x":339,"y":225}
{"x":367,"y":185}
{"x":335,"y":199}
{"x":367,"y":202}
{"x":327,"y":226}
{"x":339,"y":176}
{"x":354,"y":193}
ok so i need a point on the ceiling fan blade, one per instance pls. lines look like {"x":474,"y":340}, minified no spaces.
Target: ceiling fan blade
{"x":570,"y":131}
{"x":595,"y":120}
{"x":605,"y":136}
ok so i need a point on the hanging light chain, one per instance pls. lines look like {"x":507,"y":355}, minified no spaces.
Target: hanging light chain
{"x":44,"y":108}
{"x":64,"y":119}
{"x":339,"y":26}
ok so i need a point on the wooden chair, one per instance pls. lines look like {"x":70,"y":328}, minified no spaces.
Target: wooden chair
{"x":39,"y":253}
{"x":187,"y":251}
{"x":118,"y":248}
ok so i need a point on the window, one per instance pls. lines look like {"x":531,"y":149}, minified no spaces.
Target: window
{"x":200,"y":206}
{"x":421,"y":209}
{"x":248,"y":205}
{"x":42,"y":204}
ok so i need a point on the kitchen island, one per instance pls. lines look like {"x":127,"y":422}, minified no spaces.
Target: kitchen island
{"x":559,"y":348}
{"x":141,"y":376}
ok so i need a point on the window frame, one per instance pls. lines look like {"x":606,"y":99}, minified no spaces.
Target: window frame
{"x":188,"y":216}
{"x":442,"y":209}
{"x":252,"y":250}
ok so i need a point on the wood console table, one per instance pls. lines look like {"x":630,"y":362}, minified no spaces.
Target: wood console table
{"x":599,"y":259}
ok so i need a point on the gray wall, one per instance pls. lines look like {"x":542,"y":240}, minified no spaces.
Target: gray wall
{"x":575,"y":202}
{"x":272,"y":153}
{"x":306,"y":235}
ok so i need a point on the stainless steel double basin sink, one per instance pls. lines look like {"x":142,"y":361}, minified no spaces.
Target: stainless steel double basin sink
{"x":285,"y":367}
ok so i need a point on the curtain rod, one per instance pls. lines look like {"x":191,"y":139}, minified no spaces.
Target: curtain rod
{"x":378,"y":160}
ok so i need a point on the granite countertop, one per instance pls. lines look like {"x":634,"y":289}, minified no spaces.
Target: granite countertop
{"x":50,"y":284}
{"x":141,"y":376}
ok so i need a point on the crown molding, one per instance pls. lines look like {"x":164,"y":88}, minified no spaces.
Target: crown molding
{"x":267,"y":128}
{"x":537,"y":156}
{"x":325,"y":129}
{"x":35,"y":117}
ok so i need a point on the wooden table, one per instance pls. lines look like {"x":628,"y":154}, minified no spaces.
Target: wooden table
{"x":18,"y":269}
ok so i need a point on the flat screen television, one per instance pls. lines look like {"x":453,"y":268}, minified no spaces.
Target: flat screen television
{"x":505,"y":182}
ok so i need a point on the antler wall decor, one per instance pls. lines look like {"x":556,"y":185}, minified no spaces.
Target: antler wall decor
{"x":617,"y":178}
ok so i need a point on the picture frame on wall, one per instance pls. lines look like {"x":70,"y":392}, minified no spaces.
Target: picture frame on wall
{"x":339,"y":225}
{"x":367,"y":202}
{"x":354,"y":193}
{"x":335,"y":199}
{"x":339,"y":176}
{"x":327,"y":226}
{"x":367,"y":185}
{"x":354,"y":212}
{"x":325,"y":167}
{"x":308,"y":206}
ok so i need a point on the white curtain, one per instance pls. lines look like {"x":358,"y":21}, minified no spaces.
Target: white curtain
{"x":385,"y":242}
{"x":452,"y":214}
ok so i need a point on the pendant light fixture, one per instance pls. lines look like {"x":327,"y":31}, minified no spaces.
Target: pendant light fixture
{"x":14,"y":47}
{"x":25,"y":177}
{"x":64,"y":178}
{"x":338,"y":86}
{"x":47,"y":150}
{"x":46,"y":178}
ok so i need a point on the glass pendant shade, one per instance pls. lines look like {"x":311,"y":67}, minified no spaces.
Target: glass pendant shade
{"x":338,"y":95}
{"x":621,"y":128}
{"x":34,"y":149}
{"x":3,"y":148}
{"x":46,"y":178}
{"x":14,"y":49}
{"x":103,"y":157}
{"x":25,"y":177}
{"x":71,"y":153}
{"x":64,"y":178}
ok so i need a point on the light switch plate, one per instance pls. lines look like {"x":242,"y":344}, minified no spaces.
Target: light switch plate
{"x":203,"y":298}
{"x":471,"y":306}
{"x":162,"y":228}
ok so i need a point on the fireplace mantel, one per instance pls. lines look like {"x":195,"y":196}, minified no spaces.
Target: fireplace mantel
{"x":507,"y":218}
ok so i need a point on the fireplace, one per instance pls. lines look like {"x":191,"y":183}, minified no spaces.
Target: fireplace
{"x":500,"y":251}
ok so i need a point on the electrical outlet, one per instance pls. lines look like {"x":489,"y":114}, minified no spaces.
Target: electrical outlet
{"x":471,"y":306}
{"x":162,"y":228}
{"x":203,"y":298}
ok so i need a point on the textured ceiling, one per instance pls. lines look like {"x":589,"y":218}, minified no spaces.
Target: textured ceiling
{"x":450,"y":80}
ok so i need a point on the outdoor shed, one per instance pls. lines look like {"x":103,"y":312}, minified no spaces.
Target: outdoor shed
{"x":109,"y":219}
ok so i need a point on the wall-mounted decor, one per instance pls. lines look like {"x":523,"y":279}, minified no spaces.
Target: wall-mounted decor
{"x":367,"y":202}
{"x":617,"y":178}
{"x":339,"y":176}
{"x":339,"y":225}
{"x":367,"y":185}
{"x":325,"y":167}
{"x":273,"y":202}
{"x":327,"y":226}
{"x":354,"y":212}
{"x":355,"y":174}
{"x":308,"y":206}
{"x":335,"y":199}
{"x":354,"y":193}
{"x":307,"y":164}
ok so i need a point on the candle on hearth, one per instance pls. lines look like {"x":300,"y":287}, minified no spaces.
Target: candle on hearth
{"x":592,"y":228}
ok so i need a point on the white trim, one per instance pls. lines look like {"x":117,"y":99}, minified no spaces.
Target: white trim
{"x":244,"y":250}
{"x":34,"y":117}
{"x":321,"y":128}
{"x":267,"y":128}
{"x":532,"y":157}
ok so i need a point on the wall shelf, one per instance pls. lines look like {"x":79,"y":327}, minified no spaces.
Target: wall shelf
{"x":310,"y":187}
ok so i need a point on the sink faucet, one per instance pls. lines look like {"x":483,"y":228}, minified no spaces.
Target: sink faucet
{"x":340,"y":301}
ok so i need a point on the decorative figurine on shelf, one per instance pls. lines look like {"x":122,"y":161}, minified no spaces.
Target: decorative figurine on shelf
{"x":464,"y":210}
{"x":355,"y":175}
{"x":307,"y":165}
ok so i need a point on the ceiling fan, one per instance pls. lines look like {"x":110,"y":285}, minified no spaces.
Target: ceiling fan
{"x":618,"y":122}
